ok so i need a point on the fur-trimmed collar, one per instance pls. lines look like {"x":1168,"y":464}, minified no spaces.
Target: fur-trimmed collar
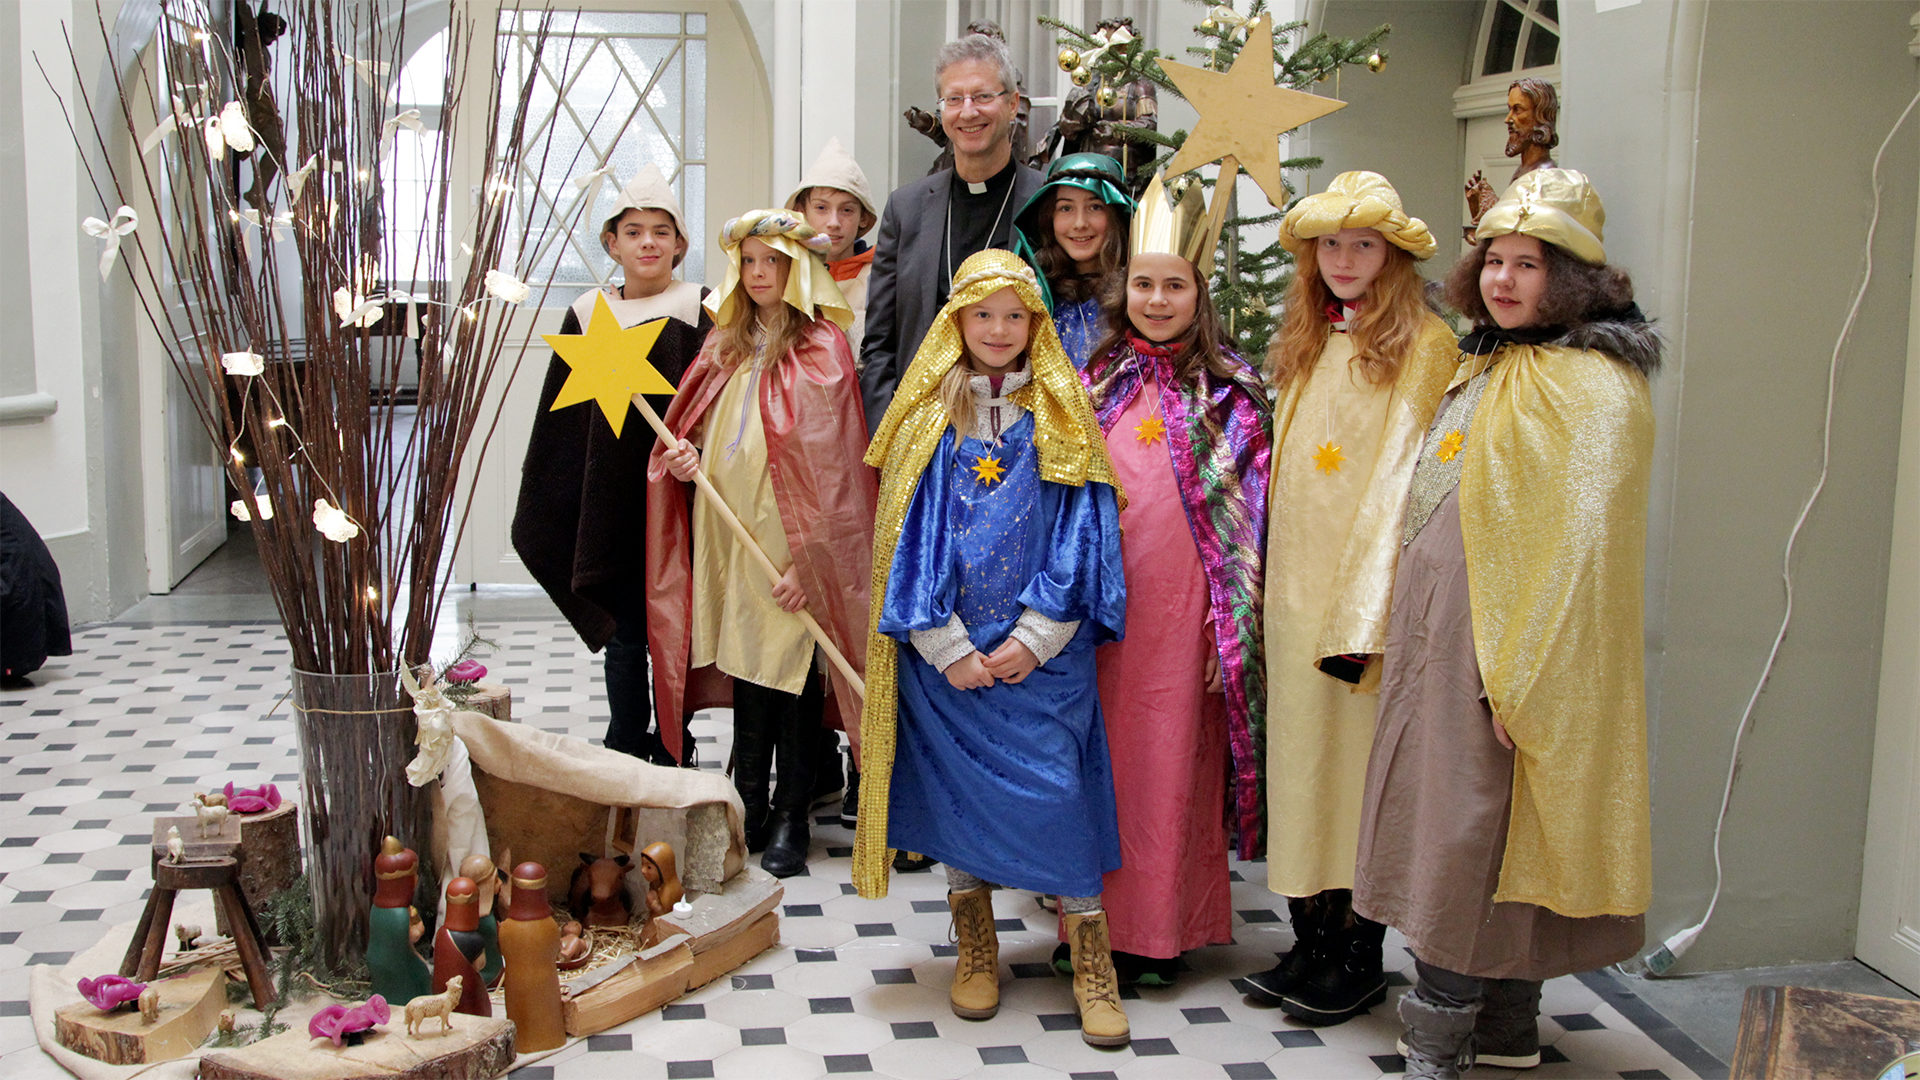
{"x":1628,"y":338}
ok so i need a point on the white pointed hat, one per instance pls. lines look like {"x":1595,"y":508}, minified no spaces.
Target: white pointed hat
{"x":835,"y":168}
{"x":649,"y":190}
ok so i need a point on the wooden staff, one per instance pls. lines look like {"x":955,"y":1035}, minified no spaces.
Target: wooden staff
{"x":706,"y":487}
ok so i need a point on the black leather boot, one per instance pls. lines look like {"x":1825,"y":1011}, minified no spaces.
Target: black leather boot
{"x":1348,"y":979}
{"x":797,"y":750}
{"x":752,"y":760}
{"x":1269,"y":986}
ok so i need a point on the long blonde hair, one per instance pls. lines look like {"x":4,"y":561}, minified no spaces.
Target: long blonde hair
{"x":1383,"y":331}
{"x":783,"y":325}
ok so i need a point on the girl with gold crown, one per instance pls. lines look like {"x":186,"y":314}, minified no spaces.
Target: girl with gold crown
{"x":1504,"y":827}
{"x":1359,"y":364}
{"x":996,"y":571}
{"x":1186,"y":421}
{"x":771,"y":412}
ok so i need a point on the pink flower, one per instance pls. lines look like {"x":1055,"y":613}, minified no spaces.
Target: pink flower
{"x":336,"y":1021}
{"x":467,"y":671}
{"x":252,"y":800}
{"x":109,"y":992}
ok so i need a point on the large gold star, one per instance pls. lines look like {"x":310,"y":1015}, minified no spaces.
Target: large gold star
{"x":1242,"y":113}
{"x":609,"y":363}
{"x":988,"y":469}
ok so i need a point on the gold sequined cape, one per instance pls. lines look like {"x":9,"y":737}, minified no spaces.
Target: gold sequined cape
{"x":1362,"y":591}
{"x":1071,"y":451}
{"x":1553,"y":512}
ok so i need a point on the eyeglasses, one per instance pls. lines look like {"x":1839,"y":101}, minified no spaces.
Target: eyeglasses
{"x":959,"y":101}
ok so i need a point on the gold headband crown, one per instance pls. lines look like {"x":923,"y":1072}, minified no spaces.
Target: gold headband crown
{"x":1554,"y":206}
{"x":1166,"y":225}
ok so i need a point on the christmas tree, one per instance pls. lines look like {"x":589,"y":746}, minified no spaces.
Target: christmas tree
{"x":1249,"y":278}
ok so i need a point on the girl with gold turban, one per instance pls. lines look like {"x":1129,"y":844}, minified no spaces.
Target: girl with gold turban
{"x":996,"y":570}
{"x":1359,"y":364}
{"x":1187,"y":423}
{"x":771,"y":411}
{"x":1504,"y":827}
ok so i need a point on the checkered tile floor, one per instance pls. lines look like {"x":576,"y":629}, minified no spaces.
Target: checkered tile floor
{"x":143,"y":715}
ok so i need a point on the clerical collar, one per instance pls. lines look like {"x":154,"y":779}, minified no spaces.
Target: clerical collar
{"x":993,"y":183}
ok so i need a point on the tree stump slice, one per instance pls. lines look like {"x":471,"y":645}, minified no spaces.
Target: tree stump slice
{"x":269,"y":860}
{"x":190,"y":1005}
{"x":491,"y":700}
{"x":477,"y":1047}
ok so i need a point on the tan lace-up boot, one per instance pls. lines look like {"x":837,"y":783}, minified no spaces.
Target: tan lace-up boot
{"x":975,"y":994}
{"x":1095,"y":988}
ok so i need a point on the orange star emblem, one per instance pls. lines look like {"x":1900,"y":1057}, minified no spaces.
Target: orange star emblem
{"x":1328,"y":458}
{"x":988,"y":469}
{"x":1150,"y":430}
{"x":1450,"y":445}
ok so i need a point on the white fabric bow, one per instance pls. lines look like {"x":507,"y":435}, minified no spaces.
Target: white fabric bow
{"x":243,"y":363}
{"x":178,"y":120}
{"x":356,"y":310}
{"x":589,"y":182}
{"x":124,"y":221}
{"x":412,"y":302}
{"x":409,"y":119}
{"x":297,"y":179}
{"x":371,"y":72}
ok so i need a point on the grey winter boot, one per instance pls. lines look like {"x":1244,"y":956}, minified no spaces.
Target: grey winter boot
{"x":1439,"y":1040}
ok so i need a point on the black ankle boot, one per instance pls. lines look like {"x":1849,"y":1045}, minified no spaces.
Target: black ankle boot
{"x":787,"y":844}
{"x":752,"y":762}
{"x":1349,"y":979}
{"x":850,"y":806}
{"x":1269,"y":986}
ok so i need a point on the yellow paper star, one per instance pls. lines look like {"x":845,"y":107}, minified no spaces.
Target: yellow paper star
{"x":1242,"y":112}
{"x":609,"y":363}
{"x":1450,"y":445}
{"x":1151,"y":430}
{"x":988,"y":469}
{"x":1328,"y":458}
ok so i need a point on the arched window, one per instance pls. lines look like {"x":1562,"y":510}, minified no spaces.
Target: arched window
{"x":1518,"y":36}
{"x":620,"y":89}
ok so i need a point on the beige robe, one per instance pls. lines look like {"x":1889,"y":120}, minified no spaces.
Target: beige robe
{"x":1331,"y":550}
{"x":737,"y":626}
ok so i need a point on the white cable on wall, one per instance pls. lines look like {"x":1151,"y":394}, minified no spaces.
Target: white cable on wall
{"x":1662,"y":959}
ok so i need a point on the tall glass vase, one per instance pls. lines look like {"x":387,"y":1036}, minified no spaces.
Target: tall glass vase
{"x":356,"y":737}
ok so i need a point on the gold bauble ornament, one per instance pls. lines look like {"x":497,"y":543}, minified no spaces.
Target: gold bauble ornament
{"x":1106,"y":96}
{"x":1209,"y":25}
{"x":1376,"y":62}
{"x":1081,"y":76}
{"x":1069,"y":59}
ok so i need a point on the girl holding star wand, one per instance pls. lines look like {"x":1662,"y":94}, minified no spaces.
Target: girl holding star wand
{"x":996,"y":572}
{"x":770,"y":411}
{"x":1359,"y":366}
{"x":1186,"y":423}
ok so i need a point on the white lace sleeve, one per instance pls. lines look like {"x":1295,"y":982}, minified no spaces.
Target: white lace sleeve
{"x":943,"y":646}
{"x":1044,"y":636}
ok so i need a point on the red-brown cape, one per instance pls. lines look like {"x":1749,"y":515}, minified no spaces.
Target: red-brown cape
{"x":816,"y":437}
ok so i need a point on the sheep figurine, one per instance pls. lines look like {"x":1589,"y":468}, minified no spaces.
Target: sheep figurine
{"x":426,"y":1006}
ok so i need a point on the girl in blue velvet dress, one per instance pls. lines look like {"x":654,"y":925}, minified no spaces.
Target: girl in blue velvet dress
{"x":997,"y":572}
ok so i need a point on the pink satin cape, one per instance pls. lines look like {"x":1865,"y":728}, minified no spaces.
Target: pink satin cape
{"x":816,"y":436}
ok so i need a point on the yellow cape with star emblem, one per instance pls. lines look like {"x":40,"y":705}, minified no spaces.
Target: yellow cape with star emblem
{"x":1071,"y":450}
{"x":1553,"y":511}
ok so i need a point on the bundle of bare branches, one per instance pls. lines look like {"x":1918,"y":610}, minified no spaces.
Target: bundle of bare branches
{"x":260,"y":258}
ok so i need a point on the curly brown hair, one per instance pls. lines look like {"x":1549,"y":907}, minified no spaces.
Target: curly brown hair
{"x":1576,"y":291}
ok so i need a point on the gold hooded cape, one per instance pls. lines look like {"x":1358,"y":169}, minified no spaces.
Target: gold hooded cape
{"x":1553,"y":512}
{"x":1071,"y":451}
